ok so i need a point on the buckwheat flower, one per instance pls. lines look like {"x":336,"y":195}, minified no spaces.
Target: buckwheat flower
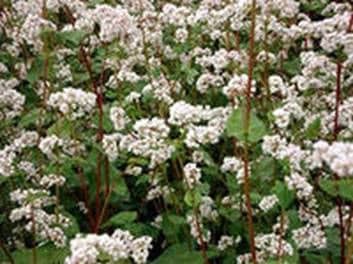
{"x":231,"y":164}
{"x":29,"y":168}
{"x":75,"y":103}
{"x":240,"y":175}
{"x":50,"y":180}
{"x":82,"y":207}
{"x":192,"y":175}
{"x":140,"y":248}
{"x":225,"y":242}
{"x":181,"y":35}
{"x":282,"y":117}
{"x":11,"y":101}
{"x":31,"y":30}
{"x":110,"y":146}
{"x":118,"y":118}
{"x":300,"y":184}
{"x":269,"y":244}
{"x":182,"y":113}
{"x":198,"y":156}
{"x":338,"y":156}
{"x":133,"y":97}
{"x":268,"y":202}
{"x":276,"y":84}
{"x":149,"y":140}
{"x":133,"y":170}
{"x":3,"y":68}
{"x":120,"y":246}
{"x":197,"y":228}
{"x":116,"y":23}
{"x":237,"y":86}
{"x":157,"y":222}
{"x":273,"y":144}
{"x":25,"y":140}
{"x":48,"y":144}
{"x":309,"y":236}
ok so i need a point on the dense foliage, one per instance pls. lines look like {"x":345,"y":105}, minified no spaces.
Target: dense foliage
{"x":182,"y":131}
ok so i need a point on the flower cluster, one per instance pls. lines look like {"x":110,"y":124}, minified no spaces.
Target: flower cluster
{"x":121,"y":245}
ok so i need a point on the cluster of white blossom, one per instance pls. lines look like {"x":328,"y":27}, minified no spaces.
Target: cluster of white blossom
{"x":11,"y":101}
{"x":273,"y":245}
{"x":192,"y":175}
{"x":197,"y":230}
{"x":54,"y":147}
{"x":120,"y":246}
{"x":10,"y":152}
{"x":47,"y":226}
{"x":118,"y":118}
{"x":149,"y":140}
{"x":237,"y":86}
{"x":310,"y":236}
{"x":162,"y":89}
{"x":268,"y":202}
{"x":227,"y":241}
{"x":338,"y":156}
{"x":74,"y":103}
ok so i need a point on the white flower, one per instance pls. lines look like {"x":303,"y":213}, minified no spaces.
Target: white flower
{"x":192,"y":175}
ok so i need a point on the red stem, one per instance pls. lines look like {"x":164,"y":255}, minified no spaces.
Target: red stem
{"x":336,"y":130}
{"x":203,"y":244}
{"x":246,"y":121}
{"x":85,"y":59}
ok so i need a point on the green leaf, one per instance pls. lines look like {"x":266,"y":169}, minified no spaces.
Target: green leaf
{"x":70,"y":39}
{"x":73,"y":228}
{"x":284,"y":195}
{"x":172,"y":226}
{"x":179,"y":253}
{"x":36,"y":70}
{"x":346,"y":189}
{"x":342,"y":188}
{"x":62,"y":128}
{"x":30,"y":118}
{"x":47,"y":254}
{"x":313,"y":130}
{"x":264,"y":169}
{"x":292,"y":66}
{"x":121,"y":219}
{"x":235,"y":127}
{"x":192,"y":198}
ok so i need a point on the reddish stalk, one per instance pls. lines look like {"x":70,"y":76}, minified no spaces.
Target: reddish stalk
{"x":336,"y":129}
{"x":85,"y":59}
{"x":107,"y":178}
{"x":34,"y":250}
{"x":246,"y":120}
{"x":84,"y":191}
{"x":199,"y":232}
{"x":102,"y":214}
{"x":281,"y":231}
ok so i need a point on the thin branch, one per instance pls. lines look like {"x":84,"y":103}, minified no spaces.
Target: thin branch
{"x":246,"y":120}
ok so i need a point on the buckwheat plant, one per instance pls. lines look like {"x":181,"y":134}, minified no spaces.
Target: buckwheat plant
{"x":181,"y":131}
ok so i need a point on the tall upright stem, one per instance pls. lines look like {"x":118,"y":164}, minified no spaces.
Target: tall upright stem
{"x":246,"y":121}
{"x":336,"y":129}
{"x":34,"y":249}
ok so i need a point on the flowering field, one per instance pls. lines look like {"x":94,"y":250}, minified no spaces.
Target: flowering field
{"x":176,"y":132}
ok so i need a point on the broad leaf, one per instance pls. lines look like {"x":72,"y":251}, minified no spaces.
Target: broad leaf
{"x":121,"y":219}
{"x":284,"y":195}
{"x":179,"y":253}
{"x":235,"y":127}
